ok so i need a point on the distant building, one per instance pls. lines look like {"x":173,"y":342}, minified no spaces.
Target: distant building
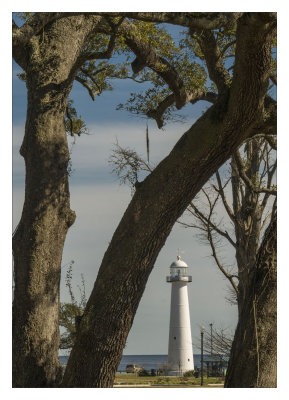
{"x":216,"y":364}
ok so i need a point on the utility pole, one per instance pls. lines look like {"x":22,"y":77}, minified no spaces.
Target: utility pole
{"x":202,"y":355}
{"x":211,"y":325}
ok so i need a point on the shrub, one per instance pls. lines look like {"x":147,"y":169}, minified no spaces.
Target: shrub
{"x":188,"y":374}
{"x":143,"y":372}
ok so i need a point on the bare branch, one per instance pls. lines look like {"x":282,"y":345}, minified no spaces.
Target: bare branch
{"x":266,"y":220}
{"x":126,"y":164}
{"x":213,"y":226}
{"x":274,"y":210}
{"x":269,"y":184}
{"x":220,"y":266}
{"x":271,"y":139}
{"x":185,"y":224}
{"x":223,"y":197}
{"x":248,"y":181}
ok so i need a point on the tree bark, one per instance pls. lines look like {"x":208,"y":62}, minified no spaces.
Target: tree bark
{"x":247,"y":219}
{"x":253,"y":359}
{"x":39,"y":238}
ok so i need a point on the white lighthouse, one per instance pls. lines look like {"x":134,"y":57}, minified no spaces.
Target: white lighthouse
{"x":180,"y":352}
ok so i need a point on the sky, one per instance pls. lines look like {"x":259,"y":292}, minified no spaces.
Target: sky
{"x":99,"y":202}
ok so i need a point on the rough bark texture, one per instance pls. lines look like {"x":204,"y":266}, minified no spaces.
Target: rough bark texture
{"x":39,"y":238}
{"x":253,"y":360}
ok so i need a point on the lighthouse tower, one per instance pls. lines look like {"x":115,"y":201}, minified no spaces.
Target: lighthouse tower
{"x":180,"y":352}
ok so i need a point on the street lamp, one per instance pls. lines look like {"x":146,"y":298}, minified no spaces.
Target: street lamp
{"x":211,"y":325}
{"x":202,"y":355}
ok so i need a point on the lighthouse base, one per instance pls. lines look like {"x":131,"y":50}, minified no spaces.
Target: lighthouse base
{"x":175,"y":373}
{"x":179,"y":368}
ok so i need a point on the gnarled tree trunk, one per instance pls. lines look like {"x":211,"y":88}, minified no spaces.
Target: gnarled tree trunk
{"x":253,"y":360}
{"x":39,"y":238}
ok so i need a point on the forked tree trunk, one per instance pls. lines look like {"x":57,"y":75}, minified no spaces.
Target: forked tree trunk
{"x":39,"y":238}
{"x":253,"y":360}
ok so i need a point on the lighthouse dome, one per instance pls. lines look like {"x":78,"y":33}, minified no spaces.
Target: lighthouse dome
{"x":179,"y":272}
{"x":179,"y":263}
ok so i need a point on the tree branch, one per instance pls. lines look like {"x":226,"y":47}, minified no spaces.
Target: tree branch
{"x":223,"y":197}
{"x":214,"y":61}
{"x":208,"y":221}
{"x":225,"y":48}
{"x":248,"y":181}
{"x":269,"y":183}
{"x":110,"y":47}
{"x":146,"y":56}
{"x":35,"y":24}
{"x":85,"y":84}
{"x":157,"y":113}
{"x":272,"y":141}
{"x":197,"y":20}
{"x":220,"y":266}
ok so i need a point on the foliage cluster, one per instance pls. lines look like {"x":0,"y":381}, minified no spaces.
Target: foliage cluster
{"x":71,"y":313}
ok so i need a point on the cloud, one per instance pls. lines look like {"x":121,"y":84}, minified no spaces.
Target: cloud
{"x":96,"y":147}
{"x":99,"y":203}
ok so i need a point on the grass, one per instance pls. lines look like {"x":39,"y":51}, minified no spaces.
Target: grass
{"x":132,"y":379}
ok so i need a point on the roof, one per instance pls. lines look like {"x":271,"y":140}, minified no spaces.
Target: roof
{"x":179,"y":263}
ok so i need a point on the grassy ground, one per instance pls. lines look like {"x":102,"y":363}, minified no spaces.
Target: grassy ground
{"x":132,"y":379}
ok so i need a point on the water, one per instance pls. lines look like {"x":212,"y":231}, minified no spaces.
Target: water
{"x":148,"y":362}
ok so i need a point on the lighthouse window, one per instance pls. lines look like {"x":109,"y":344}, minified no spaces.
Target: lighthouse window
{"x":188,"y":359}
{"x":174,"y":338}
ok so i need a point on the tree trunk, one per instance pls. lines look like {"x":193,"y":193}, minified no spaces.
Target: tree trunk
{"x":37,"y":247}
{"x":39,"y":238}
{"x":156,"y":205}
{"x":253,"y":360}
